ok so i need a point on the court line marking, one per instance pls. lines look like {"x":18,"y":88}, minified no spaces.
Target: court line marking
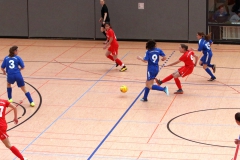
{"x":69,"y":107}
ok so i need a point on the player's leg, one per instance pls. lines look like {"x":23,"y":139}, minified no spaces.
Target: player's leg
{"x":9,"y":92}
{"x":213,"y":66}
{"x":104,"y":33}
{"x":21,"y":84}
{"x":168,"y":78}
{"x":176,"y":76}
{"x":10,"y":80}
{"x":152,"y":75}
{"x":205,"y":61}
{"x":118,"y":61}
{"x":14,"y":150}
{"x":108,"y":54}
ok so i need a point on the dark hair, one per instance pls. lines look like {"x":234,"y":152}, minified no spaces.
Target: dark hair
{"x":184,"y":46}
{"x":12,"y":50}
{"x":151,"y":44}
{"x":206,"y":37}
{"x":200,"y":34}
{"x":108,"y":24}
{"x":237,"y":116}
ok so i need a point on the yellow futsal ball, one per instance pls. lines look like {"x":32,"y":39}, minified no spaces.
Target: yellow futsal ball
{"x":123,"y":89}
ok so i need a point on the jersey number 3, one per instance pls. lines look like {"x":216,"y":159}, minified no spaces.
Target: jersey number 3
{"x":11,"y":64}
{"x":1,"y":111}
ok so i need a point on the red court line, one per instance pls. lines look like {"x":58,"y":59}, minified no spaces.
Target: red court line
{"x":162,"y":118}
{"x":53,"y":59}
{"x":75,"y":60}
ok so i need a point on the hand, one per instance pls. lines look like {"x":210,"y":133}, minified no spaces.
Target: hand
{"x":139,"y":58}
{"x":195,"y":65}
{"x":103,"y":23}
{"x":237,"y":141}
{"x":105,"y":47}
{"x":15,"y":120}
{"x":100,"y":20}
{"x":4,"y":73}
{"x":163,"y":59}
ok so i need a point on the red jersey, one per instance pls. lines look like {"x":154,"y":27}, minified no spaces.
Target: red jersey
{"x":187,"y":58}
{"x":3,"y":106}
{"x":110,"y":34}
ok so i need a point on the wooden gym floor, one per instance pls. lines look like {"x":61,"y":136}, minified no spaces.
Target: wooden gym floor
{"x":81,"y":114}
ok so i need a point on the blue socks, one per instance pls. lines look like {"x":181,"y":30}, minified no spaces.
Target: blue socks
{"x":9,"y":92}
{"x":158,"y":88}
{"x":29,"y":97}
{"x":146,"y":93}
{"x":209,"y":72}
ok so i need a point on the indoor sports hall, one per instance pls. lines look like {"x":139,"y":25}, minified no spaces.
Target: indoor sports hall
{"x":80,"y":112}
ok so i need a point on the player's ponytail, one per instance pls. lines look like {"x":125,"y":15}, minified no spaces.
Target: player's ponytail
{"x":151,"y":44}
{"x":12,"y":50}
{"x":201,"y":34}
{"x":208,"y":37}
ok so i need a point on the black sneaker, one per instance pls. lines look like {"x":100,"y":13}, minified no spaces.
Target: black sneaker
{"x":214,"y":68}
{"x":180,"y":91}
{"x":116,"y":65}
{"x":158,"y":81}
{"x":144,"y":100}
{"x":212,"y":79}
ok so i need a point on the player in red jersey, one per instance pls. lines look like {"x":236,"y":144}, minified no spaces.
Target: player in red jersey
{"x":3,"y":127}
{"x":112,"y":52}
{"x":187,"y":58}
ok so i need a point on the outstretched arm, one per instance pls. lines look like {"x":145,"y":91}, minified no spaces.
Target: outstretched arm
{"x":141,"y":59}
{"x":174,"y":63}
{"x":196,"y":60}
{"x":15,"y":113}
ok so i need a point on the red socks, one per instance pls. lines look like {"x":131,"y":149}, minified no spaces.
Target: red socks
{"x":167,"y":78}
{"x":178,"y":83}
{"x":119,"y":62}
{"x":16,"y":152}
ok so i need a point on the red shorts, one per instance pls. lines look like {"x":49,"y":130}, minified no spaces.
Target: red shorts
{"x":3,"y":133}
{"x":184,"y":71}
{"x":113,"y":50}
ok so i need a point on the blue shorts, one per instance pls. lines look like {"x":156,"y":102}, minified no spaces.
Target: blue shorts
{"x":151,"y":75}
{"x":206,"y":58}
{"x":17,"y":77}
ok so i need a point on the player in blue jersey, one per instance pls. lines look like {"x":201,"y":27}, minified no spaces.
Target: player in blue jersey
{"x":13,"y":65}
{"x":204,"y":45}
{"x":152,"y":58}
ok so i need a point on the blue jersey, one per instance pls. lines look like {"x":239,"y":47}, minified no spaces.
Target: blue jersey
{"x":152,"y":56}
{"x":205,"y":46}
{"x":12,"y":64}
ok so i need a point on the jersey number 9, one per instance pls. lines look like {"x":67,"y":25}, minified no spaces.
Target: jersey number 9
{"x":154,"y":58}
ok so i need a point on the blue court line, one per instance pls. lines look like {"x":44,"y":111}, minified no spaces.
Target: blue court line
{"x":125,"y":112}
{"x":69,"y":107}
{"x":115,"y":125}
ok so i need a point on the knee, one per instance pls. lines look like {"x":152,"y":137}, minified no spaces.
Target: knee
{"x":204,"y":66}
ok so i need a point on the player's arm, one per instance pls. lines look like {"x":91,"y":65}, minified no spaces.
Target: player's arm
{"x":15,"y":113}
{"x":174,"y":63}
{"x":109,"y":42}
{"x":196,"y":60}
{"x":3,"y":66}
{"x":164,"y":58}
{"x":105,"y":16}
{"x":21,"y":64}
{"x":141,"y":59}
